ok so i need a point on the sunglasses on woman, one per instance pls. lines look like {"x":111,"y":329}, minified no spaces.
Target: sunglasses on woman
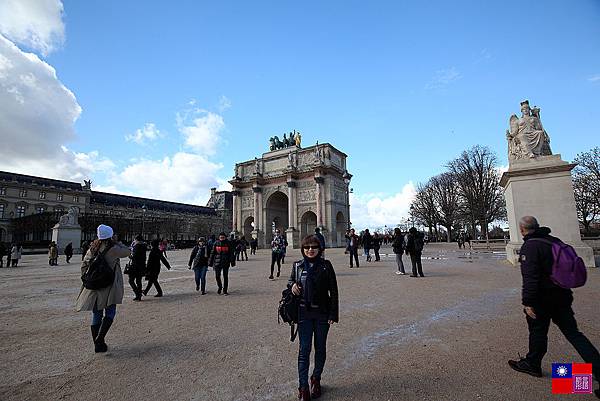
{"x":315,"y":247}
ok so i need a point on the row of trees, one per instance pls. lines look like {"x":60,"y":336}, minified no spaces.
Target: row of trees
{"x":466,"y":195}
{"x":586,"y":186}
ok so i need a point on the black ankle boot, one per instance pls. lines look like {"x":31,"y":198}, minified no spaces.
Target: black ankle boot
{"x":100,"y":344}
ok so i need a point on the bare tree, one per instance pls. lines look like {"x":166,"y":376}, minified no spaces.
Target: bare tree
{"x":479,"y":186}
{"x":423,"y":207}
{"x":446,"y":198}
{"x":586,"y":197}
{"x":589,"y":165}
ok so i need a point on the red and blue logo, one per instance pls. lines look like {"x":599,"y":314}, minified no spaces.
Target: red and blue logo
{"x":571,"y":378}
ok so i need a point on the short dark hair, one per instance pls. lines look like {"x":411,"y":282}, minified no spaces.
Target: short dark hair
{"x":311,"y":240}
{"x":139,"y":237}
{"x":223,"y":234}
{"x":317,"y":230}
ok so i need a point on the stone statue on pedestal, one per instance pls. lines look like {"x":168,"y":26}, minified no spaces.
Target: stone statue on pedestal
{"x":526,"y":136}
{"x":70,"y":219}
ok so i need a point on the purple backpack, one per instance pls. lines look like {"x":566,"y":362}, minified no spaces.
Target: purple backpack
{"x":568,"y":269}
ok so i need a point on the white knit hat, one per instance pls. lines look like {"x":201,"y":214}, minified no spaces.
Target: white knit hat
{"x":104,"y":232}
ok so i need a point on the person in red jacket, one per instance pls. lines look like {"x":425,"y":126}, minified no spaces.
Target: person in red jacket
{"x":222,"y":256}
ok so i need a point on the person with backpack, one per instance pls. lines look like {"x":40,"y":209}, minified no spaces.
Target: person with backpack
{"x":398,"y":248}
{"x":277,"y":246}
{"x":199,"y":263}
{"x":137,"y":266}
{"x":544,"y":300}
{"x":313,"y":280}
{"x":155,"y":257}
{"x":100,"y":262}
{"x":221,"y":258}
{"x":414,"y":248}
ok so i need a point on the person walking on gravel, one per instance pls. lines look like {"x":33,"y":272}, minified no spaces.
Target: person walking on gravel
{"x":103,"y":302}
{"x":398,"y":248}
{"x":544,"y":301}
{"x":277,"y":249}
{"x":353,"y":240}
{"x":199,"y":263}
{"x":313,"y":280}
{"x":155,"y":257}
{"x":221,"y":258}
{"x":137,"y":266}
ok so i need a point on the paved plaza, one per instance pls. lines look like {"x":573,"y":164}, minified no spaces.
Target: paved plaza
{"x":444,"y":337}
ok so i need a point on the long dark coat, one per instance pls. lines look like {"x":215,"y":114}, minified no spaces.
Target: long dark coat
{"x":153,"y":267}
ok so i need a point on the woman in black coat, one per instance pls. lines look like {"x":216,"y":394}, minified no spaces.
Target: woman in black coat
{"x":155,"y":257}
{"x":313,"y":281}
{"x":137,"y":266}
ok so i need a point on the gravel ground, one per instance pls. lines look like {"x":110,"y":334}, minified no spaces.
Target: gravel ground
{"x":443,"y":337}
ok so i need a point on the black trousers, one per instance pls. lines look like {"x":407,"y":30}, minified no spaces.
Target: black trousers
{"x":377,"y":258}
{"x":69,"y":258}
{"x":275,"y":257}
{"x":222,"y":284}
{"x":564,"y":318}
{"x":136,"y":284}
{"x":241,"y":253}
{"x":252,"y":251}
{"x":353,"y":253}
{"x":417,"y":267}
{"x":156,"y":285}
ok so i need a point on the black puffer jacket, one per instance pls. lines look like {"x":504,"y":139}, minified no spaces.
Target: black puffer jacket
{"x":536,"y":268}
{"x":222,"y":255}
{"x":138,"y":259}
{"x":326,"y":291}
{"x":154,"y":259}
{"x":398,"y":244}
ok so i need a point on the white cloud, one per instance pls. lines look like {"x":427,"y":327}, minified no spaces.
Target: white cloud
{"x":224,"y":103}
{"x":443,"y":78}
{"x":148,"y":132}
{"x":594,"y":78}
{"x":37,"y":114}
{"x":184,"y":177}
{"x":36,"y":24}
{"x":376,"y":210}
{"x":201,"y":130}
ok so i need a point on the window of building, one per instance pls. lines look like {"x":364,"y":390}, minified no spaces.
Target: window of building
{"x":1,"y":211}
{"x":59,"y":197}
{"x":59,"y":209}
{"x":42,"y":195}
{"x":76,"y":198}
{"x":96,"y":211}
{"x":2,"y":191}
{"x":23,"y":193}
{"x":40,"y":209}
{"x":20,"y":211}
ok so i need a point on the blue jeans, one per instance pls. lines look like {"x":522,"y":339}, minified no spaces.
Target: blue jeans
{"x":109,"y":312}
{"x":200,"y":277}
{"x":306,"y":329}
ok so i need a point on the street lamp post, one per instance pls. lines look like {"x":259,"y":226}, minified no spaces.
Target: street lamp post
{"x":347,"y":177}
{"x":412,"y":217}
{"x":143,"y":219}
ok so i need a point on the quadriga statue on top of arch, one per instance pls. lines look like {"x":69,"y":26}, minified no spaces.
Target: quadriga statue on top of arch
{"x":526,"y":136}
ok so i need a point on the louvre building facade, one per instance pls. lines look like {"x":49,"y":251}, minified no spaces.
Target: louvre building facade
{"x":30,"y":206}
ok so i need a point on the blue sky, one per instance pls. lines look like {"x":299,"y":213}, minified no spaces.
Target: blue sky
{"x":401,"y":87}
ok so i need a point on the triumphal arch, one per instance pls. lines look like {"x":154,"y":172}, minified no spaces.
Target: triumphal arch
{"x":292,"y":189}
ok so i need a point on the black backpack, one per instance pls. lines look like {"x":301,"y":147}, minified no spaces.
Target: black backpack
{"x":99,"y":274}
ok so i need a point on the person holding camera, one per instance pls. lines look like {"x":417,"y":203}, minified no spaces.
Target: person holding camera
{"x":313,"y":280}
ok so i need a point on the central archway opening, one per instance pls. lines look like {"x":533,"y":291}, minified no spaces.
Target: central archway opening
{"x":277,"y":213}
{"x":308,"y":223}
{"x":248,"y":227}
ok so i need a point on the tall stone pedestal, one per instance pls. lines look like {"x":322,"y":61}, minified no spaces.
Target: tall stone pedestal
{"x":62,"y":235}
{"x":542,"y":187}
{"x":293,"y":238}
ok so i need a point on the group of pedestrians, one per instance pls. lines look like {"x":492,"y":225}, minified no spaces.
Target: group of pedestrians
{"x":313,"y":282}
{"x":13,"y":254}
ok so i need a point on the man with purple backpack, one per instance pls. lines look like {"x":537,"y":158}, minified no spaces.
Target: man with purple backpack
{"x":549,"y":269}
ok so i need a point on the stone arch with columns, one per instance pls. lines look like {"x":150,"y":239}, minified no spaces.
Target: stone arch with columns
{"x":297,"y":188}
